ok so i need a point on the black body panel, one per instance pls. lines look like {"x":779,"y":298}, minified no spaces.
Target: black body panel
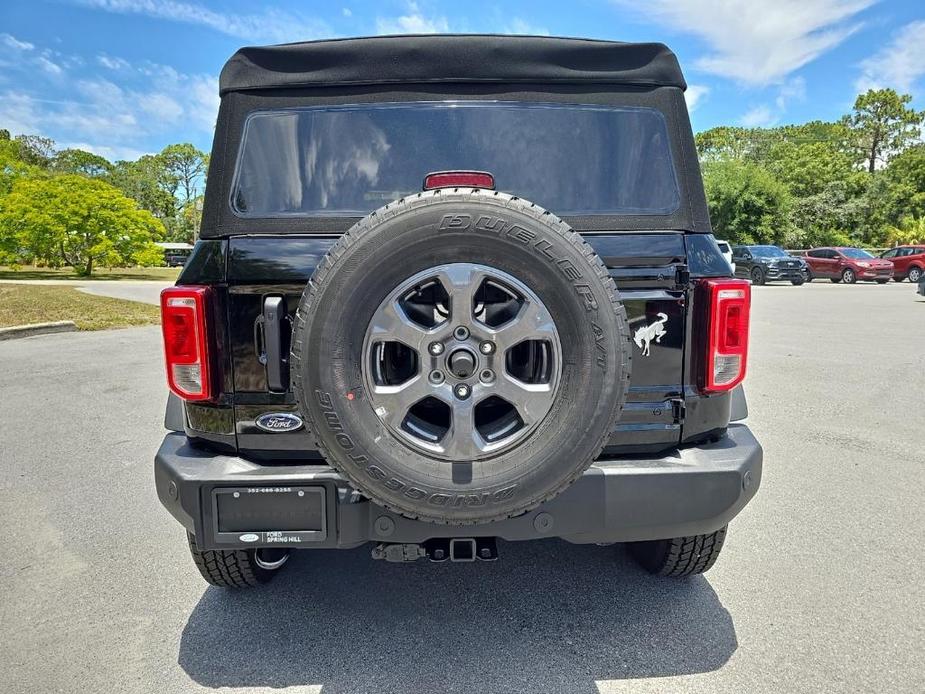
{"x":649,"y":269}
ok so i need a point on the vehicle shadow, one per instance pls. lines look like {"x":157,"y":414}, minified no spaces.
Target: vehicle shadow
{"x":548,"y":616}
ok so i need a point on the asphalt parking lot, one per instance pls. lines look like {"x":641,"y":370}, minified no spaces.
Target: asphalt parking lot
{"x":819,"y":589}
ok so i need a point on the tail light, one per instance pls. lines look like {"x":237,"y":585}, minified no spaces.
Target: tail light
{"x":459,"y":179}
{"x":728,"y":305}
{"x":186,"y":343}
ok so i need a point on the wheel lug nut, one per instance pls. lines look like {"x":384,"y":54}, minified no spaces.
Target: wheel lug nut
{"x":436,"y":348}
{"x":461,"y":332}
{"x":487,"y":347}
{"x":462,"y":391}
{"x":436,"y":377}
{"x":487,"y":376}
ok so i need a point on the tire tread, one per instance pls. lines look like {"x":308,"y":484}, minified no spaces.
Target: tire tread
{"x":681,"y":556}
{"x":225,"y":568}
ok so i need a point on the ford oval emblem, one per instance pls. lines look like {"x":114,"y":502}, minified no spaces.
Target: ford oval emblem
{"x":279,"y":422}
{"x":249,"y":537}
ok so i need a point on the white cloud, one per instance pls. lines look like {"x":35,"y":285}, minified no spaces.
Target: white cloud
{"x":269,"y":25}
{"x":14,"y":43}
{"x":412,"y":23}
{"x":347,"y":12}
{"x":765,"y":116}
{"x":694,"y":95}
{"x":899,"y":64}
{"x":521,"y":26}
{"x":113,"y":119}
{"x":19,"y":113}
{"x":49,"y":66}
{"x":759,"y":117}
{"x":791,"y":90}
{"x":112,"y":63}
{"x":758,"y":42}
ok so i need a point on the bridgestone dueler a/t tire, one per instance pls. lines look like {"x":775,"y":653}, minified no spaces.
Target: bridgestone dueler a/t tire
{"x":680,"y":556}
{"x":416,"y":234}
{"x":231,"y":568}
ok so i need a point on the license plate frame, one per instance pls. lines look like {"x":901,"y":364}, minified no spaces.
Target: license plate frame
{"x":314,"y":515}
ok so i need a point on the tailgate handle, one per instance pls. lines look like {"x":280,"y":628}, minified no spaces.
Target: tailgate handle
{"x":277,"y":330}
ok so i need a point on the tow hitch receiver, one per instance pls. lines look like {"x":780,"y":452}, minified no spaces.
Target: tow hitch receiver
{"x":459,"y":549}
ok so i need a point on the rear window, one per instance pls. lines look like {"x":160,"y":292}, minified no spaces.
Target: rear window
{"x":349,"y":160}
{"x":856,"y":253}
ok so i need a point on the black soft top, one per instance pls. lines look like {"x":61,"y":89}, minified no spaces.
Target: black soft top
{"x":451,"y":58}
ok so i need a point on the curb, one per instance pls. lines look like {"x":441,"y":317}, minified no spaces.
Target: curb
{"x":18,"y":331}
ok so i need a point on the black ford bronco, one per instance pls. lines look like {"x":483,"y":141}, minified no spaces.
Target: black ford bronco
{"x":451,"y":289}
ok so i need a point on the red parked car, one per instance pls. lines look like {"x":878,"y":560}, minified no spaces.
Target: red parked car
{"x":847,"y":265}
{"x":908,"y":261}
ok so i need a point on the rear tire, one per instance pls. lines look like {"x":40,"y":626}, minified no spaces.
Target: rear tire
{"x":834,"y":280}
{"x":237,"y":568}
{"x":679,"y":556}
{"x":882,"y":281}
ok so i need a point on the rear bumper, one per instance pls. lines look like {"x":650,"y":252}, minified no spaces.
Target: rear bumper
{"x":685,"y":492}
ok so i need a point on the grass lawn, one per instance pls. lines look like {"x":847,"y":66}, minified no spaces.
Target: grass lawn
{"x":29,"y":303}
{"x":27,"y":272}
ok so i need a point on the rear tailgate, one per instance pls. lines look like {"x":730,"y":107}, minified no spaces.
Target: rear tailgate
{"x":649,"y":270}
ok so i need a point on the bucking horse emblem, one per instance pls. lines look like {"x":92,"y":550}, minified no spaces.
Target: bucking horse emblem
{"x":654,"y":331}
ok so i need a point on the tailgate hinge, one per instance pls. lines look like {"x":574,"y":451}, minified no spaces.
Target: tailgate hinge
{"x":682,"y":276}
{"x":677,"y":410}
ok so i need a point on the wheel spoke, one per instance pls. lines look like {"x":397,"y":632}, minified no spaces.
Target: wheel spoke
{"x":391,"y":323}
{"x":531,"y":400}
{"x":461,"y":281}
{"x":393,"y":402}
{"x":463,"y":442}
{"x":533,"y":322}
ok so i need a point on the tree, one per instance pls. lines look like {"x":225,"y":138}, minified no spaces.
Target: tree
{"x":146,"y":181}
{"x":882,"y":124}
{"x":12,"y":167}
{"x":910,"y":230}
{"x":807,"y":168}
{"x":78,"y":161}
{"x":906,"y":175}
{"x":747,"y":203}
{"x":726,"y":143}
{"x":79,"y":220}
{"x":187,"y":166}
{"x":36,"y":150}
{"x":825,"y":218}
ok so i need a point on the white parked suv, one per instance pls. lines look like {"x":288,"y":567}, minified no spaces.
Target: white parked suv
{"x":726,"y":250}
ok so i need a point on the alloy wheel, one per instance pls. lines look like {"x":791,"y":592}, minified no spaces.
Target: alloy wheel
{"x":462,"y":361}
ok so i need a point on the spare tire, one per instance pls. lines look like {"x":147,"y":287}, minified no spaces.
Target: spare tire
{"x":461,"y":356}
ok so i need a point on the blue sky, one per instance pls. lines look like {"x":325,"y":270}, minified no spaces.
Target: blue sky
{"x":126,"y":77}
